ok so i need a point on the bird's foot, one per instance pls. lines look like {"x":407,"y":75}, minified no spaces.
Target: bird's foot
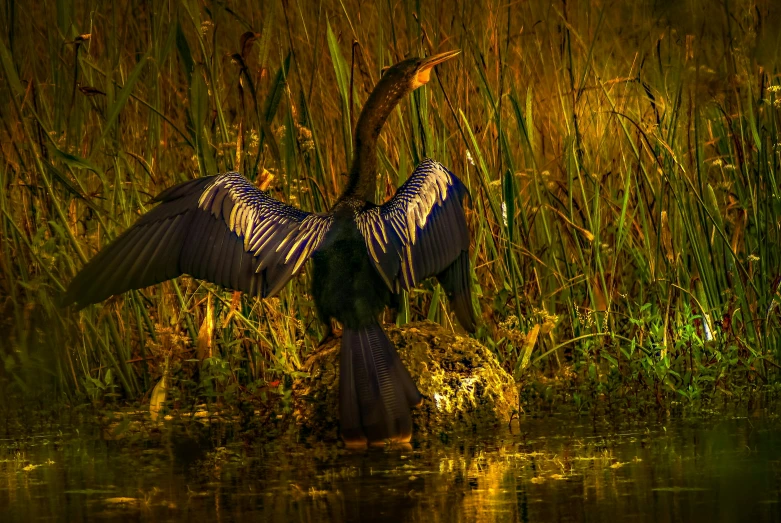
{"x":329,"y":337}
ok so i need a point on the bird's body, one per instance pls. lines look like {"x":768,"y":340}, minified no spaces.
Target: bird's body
{"x":351,"y":291}
{"x":223,"y":229}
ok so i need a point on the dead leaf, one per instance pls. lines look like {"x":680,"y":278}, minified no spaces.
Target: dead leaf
{"x":88,"y":90}
{"x":247,"y":39}
{"x":667,"y":241}
{"x":585,"y":232}
{"x":239,"y":135}
{"x":206,"y":332}
{"x":265,"y":179}
{"x":737,"y":231}
{"x":158,"y":398}
{"x":528,"y":346}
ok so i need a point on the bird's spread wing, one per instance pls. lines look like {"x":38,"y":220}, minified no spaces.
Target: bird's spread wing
{"x":219,"y":228}
{"x":421,"y":232}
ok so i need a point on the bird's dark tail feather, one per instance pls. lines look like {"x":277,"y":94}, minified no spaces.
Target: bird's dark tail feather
{"x":375,"y":389}
{"x":456,"y":279}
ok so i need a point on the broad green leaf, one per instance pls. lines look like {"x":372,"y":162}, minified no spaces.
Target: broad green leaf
{"x":10,"y":70}
{"x":343,"y":84}
{"x":184,"y":53}
{"x":76,"y":161}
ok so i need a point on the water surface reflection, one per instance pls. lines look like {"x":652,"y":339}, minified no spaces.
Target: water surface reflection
{"x":551,"y":469}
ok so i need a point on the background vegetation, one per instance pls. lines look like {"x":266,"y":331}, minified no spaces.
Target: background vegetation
{"x":622,"y":159}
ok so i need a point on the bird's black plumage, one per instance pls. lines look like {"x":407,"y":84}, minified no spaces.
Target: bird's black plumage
{"x":225,"y":230}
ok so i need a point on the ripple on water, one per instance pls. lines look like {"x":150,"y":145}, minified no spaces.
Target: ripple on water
{"x":549,"y":469}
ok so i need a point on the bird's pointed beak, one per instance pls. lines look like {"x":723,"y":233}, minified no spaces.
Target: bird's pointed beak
{"x":424,"y":69}
{"x":436,"y":59}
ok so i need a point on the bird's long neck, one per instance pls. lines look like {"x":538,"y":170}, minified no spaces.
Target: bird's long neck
{"x":363,"y":171}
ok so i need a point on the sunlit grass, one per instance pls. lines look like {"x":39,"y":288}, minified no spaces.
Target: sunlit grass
{"x":622,"y":162}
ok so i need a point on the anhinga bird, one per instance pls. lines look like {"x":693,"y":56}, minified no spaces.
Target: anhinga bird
{"x":224,"y":230}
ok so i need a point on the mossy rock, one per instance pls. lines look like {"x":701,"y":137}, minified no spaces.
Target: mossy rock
{"x":463,"y":386}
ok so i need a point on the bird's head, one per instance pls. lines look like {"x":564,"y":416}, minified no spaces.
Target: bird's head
{"x":415,"y":72}
{"x":401,"y":79}
{"x":409,"y":74}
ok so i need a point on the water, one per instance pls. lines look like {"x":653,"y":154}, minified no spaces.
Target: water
{"x":549,"y":469}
